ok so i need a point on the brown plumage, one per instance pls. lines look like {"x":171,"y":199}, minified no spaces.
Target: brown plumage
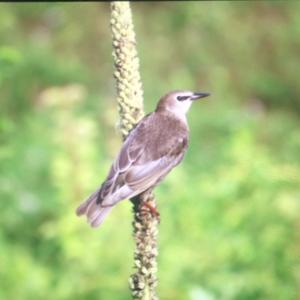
{"x":152,"y":149}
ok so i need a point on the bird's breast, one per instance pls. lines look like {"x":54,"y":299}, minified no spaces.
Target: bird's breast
{"x":164,"y":135}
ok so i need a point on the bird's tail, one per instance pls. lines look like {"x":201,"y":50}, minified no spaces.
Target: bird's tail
{"x":95,"y":213}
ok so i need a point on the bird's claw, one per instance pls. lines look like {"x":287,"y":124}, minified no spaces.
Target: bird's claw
{"x":146,"y":206}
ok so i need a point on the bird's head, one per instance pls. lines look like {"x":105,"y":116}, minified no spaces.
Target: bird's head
{"x":179,"y":102}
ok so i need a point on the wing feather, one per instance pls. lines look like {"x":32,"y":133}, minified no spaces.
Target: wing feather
{"x":138,"y":178}
{"x":134,"y":170}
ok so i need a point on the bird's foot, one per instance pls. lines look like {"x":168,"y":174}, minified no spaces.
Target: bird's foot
{"x":153,"y":210}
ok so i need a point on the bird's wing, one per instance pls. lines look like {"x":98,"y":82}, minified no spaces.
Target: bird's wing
{"x":131,"y":174}
{"x":129,"y":154}
{"x":142,"y":176}
{"x":139,"y":165}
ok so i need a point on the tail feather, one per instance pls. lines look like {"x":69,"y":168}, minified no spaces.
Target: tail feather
{"x":99,"y":218}
{"x":81,"y":210}
{"x":94,"y":212}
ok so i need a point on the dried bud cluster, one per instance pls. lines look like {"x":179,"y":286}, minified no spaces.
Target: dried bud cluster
{"x":129,"y":86}
{"x":130,"y":100}
{"x":143,"y":283}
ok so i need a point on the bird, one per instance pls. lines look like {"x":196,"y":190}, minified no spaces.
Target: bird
{"x":151,"y":150}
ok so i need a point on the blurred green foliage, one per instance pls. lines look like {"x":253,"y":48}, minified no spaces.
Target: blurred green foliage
{"x":230,"y":212}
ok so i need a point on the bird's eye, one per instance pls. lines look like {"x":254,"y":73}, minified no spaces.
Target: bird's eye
{"x":182,"y":98}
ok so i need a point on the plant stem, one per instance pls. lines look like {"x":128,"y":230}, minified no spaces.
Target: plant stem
{"x":130,"y":104}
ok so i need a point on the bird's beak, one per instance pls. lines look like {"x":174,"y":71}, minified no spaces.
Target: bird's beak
{"x":197,"y":96}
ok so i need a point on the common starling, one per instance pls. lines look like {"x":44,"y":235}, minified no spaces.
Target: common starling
{"x":152,"y":149}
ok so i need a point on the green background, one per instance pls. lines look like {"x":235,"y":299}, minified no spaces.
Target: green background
{"x":229,"y":214}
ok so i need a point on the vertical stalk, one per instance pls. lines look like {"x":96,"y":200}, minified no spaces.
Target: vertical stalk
{"x":130,"y":105}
